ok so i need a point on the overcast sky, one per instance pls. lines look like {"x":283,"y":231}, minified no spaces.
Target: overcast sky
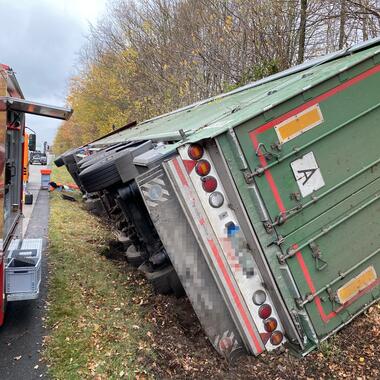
{"x":40,"y":40}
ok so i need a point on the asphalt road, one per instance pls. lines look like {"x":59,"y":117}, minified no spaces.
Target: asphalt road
{"x":22,"y":333}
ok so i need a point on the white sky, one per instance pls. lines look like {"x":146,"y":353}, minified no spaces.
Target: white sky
{"x":40,"y":40}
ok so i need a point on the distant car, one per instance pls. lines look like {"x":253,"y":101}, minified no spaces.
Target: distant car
{"x":38,"y":159}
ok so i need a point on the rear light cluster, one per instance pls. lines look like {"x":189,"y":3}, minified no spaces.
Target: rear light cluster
{"x":265,"y":312}
{"x":203,"y":169}
{"x":203,"y":175}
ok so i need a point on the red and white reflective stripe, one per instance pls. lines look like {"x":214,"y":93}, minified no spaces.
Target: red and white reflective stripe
{"x":233,"y":291}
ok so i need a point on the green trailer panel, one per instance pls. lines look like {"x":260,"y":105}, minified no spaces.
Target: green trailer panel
{"x":316,"y":165}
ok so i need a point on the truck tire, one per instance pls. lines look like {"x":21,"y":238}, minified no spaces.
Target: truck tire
{"x":89,"y":160}
{"x":103,"y":173}
{"x":164,"y":281}
{"x":99,"y":176}
{"x":134,"y":257}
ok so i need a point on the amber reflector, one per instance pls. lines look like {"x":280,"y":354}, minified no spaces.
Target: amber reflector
{"x":276,"y":338}
{"x":195,"y":151}
{"x":202,"y":167}
{"x":270,"y":324}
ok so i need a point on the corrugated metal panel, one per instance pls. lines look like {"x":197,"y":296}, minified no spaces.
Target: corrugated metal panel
{"x":213,"y":116}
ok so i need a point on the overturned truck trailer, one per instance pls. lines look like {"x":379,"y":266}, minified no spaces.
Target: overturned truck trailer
{"x":265,"y":200}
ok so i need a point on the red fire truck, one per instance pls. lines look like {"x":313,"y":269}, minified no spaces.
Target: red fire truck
{"x":20,"y":259}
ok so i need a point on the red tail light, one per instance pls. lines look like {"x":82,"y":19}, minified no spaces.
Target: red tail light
{"x":209,"y":184}
{"x":195,"y":151}
{"x":265,"y":311}
{"x":203,"y":168}
{"x":270,"y":324}
{"x":276,"y":338}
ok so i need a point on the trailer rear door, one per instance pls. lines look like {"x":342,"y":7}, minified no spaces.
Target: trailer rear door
{"x":315,"y":161}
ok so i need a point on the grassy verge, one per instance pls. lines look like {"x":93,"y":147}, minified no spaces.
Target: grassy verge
{"x":93,"y":316}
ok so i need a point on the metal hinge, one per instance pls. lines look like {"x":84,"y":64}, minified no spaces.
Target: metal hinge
{"x":249,"y":176}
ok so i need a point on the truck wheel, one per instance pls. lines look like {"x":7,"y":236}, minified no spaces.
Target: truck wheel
{"x":134,"y":257}
{"x":164,"y":281}
{"x":90,"y":160}
{"x":103,"y":173}
{"x":85,"y":162}
{"x":99,"y":176}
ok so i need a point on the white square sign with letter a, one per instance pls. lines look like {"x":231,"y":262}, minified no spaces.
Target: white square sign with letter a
{"x":307,"y":174}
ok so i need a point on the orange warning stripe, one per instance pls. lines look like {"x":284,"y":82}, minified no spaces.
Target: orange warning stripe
{"x":299,"y":123}
{"x":354,"y":286}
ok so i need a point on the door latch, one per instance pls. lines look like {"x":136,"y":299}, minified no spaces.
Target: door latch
{"x":320,"y":264}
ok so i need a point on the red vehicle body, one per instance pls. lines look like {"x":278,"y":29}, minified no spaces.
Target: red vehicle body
{"x":13,"y":108}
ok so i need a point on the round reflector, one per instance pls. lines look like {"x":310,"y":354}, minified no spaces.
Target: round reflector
{"x":265,"y":311}
{"x":202,"y":167}
{"x":209,"y":184}
{"x":276,"y":338}
{"x":259,"y":297}
{"x":216,"y":199}
{"x":270,"y":324}
{"x":195,"y":151}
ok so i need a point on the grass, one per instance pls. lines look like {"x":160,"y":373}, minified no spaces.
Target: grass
{"x":94,"y":316}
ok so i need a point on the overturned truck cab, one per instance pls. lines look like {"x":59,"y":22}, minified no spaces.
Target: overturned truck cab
{"x":20,"y":259}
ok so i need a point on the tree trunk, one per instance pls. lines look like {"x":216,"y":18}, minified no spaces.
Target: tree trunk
{"x":302,"y":32}
{"x":342,"y":23}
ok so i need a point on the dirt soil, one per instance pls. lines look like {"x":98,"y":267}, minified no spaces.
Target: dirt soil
{"x":183,"y":351}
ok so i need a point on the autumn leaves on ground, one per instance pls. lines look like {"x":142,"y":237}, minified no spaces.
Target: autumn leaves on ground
{"x":105,"y":322}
